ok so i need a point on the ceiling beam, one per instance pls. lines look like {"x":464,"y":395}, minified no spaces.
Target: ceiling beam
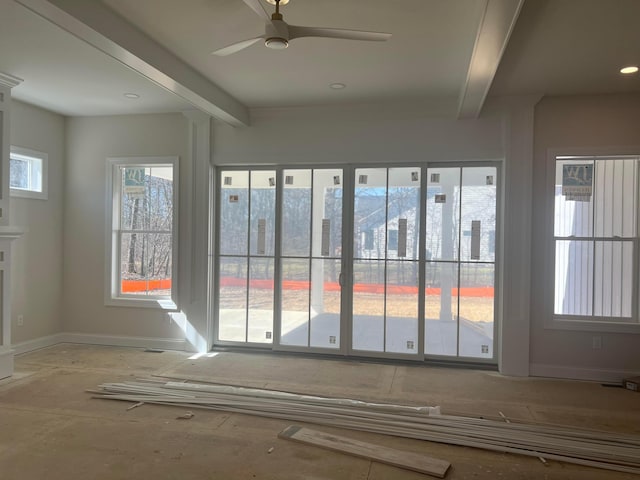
{"x":97,"y":25}
{"x":495,"y":28}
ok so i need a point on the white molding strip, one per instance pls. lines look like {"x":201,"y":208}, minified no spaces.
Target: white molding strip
{"x":494,"y":30}
{"x":178,"y":344}
{"x":37,"y":343}
{"x":580,"y":373}
{"x":9,"y":81}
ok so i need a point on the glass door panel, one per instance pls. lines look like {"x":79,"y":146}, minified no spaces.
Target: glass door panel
{"x":386,"y":260}
{"x":477,"y":261}
{"x":326,"y":258}
{"x":246,"y":256}
{"x":460,"y":267}
{"x":311,"y":258}
{"x":369,"y":251}
{"x":295,"y":262}
{"x":233,"y":263}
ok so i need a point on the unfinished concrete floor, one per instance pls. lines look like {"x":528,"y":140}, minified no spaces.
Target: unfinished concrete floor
{"x":51,"y":429}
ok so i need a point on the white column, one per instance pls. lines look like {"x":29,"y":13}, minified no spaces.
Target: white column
{"x":193,"y":234}
{"x":7,"y":233}
{"x":516,"y":258}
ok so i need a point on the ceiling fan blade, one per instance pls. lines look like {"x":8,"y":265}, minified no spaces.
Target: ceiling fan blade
{"x":236,"y":47}
{"x":299,"y":32}
{"x":256,"y":6}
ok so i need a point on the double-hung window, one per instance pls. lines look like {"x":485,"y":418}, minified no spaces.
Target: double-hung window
{"x":142,"y":194}
{"x":596,"y":240}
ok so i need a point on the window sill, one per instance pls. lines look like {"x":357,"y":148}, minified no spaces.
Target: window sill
{"x":155,"y":303}
{"x":18,"y":193}
{"x":592,"y":326}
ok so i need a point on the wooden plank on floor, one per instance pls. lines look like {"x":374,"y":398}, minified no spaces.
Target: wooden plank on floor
{"x":398,"y":458}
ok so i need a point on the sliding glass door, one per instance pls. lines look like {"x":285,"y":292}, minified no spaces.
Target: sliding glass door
{"x":279,"y":267}
{"x":408,"y":273}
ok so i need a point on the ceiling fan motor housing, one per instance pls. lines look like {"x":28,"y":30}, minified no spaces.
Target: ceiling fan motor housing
{"x":277,"y":35}
{"x":276,"y":43}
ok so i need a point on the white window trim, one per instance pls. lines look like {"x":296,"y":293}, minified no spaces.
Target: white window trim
{"x":19,"y":192}
{"x":564,"y":322}
{"x":111,"y":279}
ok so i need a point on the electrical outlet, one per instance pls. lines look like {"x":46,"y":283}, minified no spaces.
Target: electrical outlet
{"x":20,"y":320}
{"x":597,"y":343}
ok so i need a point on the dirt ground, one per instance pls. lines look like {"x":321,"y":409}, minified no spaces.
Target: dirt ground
{"x":475,"y":309}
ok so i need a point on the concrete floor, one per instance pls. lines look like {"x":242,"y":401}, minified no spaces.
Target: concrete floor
{"x":50,"y":428}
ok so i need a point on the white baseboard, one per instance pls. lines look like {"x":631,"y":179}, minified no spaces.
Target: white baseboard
{"x":95,"y":339}
{"x":580,"y":373}
{"x":37,"y":343}
{"x":124,"y":341}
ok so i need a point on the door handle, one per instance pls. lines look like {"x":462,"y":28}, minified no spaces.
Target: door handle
{"x":340,"y":279}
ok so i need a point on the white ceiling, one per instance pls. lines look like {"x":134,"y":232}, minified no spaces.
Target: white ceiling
{"x":427,"y":57}
{"x":65,"y":75}
{"x":566,"y":47}
{"x":557,"y":47}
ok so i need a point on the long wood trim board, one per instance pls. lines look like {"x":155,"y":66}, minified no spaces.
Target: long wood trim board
{"x":398,"y":458}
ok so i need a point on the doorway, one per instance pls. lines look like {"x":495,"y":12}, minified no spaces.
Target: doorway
{"x":385,"y":262}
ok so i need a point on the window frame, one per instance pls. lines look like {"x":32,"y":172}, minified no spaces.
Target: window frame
{"x":576,"y":322}
{"x":36,"y":155}
{"x":113,"y":295}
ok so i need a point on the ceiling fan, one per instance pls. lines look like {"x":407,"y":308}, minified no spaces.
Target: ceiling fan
{"x":279,"y":33}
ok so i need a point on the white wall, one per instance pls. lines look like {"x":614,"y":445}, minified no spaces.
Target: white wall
{"x":37,"y":256}
{"x":90,"y":140}
{"x":577,"y":122}
{"x":384,"y":133}
{"x":388,"y":134}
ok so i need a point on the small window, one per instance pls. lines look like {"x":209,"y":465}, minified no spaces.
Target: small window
{"x":28,"y":173}
{"x":368,"y":239}
{"x":393,"y":239}
{"x":142,"y":252}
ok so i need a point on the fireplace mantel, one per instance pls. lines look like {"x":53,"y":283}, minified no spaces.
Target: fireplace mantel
{"x":8,"y":232}
{"x":7,"y":235}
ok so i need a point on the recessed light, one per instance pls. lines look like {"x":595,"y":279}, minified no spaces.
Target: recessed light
{"x":629,"y":69}
{"x":282,"y":2}
{"x":132,"y":96}
{"x":337,"y":86}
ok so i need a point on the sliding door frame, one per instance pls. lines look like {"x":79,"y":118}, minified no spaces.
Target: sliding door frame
{"x":419,"y":355}
{"x":497,"y":310}
{"x":347,"y":260}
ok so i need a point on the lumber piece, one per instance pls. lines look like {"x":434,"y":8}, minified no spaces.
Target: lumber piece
{"x":397,"y":458}
{"x":606,"y":450}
